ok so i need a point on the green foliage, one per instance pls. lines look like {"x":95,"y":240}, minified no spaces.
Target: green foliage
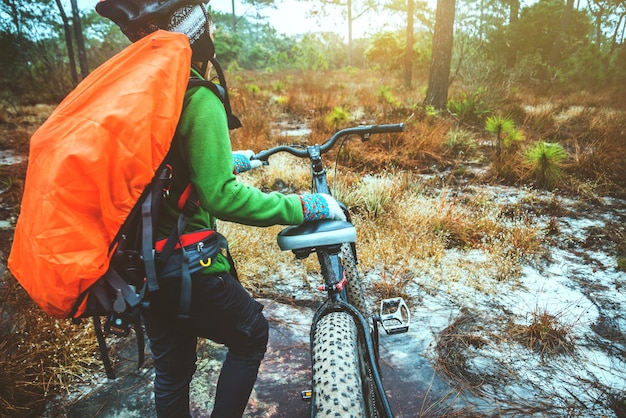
{"x":431,"y":111}
{"x":504,"y":129}
{"x":460,"y":141}
{"x":337,"y":117}
{"x":387,"y":96}
{"x":545,"y":161}
{"x":10,"y":183}
{"x":228,"y":46}
{"x":282,"y":100}
{"x":538,"y":27}
{"x":308,"y":55}
{"x":592,"y":66}
{"x":507,"y":138}
{"x":386,"y":51}
{"x":256,"y":45}
{"x":13,"y":63}
{"x":35,"y":60}
{"x":469,"y":106}
{"x":253,"y":88}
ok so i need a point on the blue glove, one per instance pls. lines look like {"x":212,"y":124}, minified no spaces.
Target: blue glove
{"x":242,"y":162}
{"x":320,"y":206}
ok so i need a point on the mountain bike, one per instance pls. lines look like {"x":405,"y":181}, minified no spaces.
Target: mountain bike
{"x":346,"y":379}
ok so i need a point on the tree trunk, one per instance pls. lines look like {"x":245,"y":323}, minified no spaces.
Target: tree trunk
{"x":67,"y":31}
{"x":80,"y":40}
{"x":511,"y":56}
{"x":15,"y":17}
{"x":616,"y":31}
{"x":438,"y":79}
{"x":555,"y":52}
{"x":408,"y":52}
{"x":234,"y":21}
{"x":350,"y":58}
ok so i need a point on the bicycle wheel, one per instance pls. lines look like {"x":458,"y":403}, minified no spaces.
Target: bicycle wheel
{"x":354,"y":289}
{"x":336,"y":378}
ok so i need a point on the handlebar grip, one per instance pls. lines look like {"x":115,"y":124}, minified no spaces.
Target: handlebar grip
{"x":389,"y":128}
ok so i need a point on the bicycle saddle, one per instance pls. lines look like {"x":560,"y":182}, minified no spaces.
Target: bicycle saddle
{"x":316,"y":234}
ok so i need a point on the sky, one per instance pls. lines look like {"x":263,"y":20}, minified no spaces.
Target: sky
{"x":289,"y":17}
{"x":292,"y":17}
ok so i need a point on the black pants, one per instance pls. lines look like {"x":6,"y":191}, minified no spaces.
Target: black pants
{"x":221,"y":310}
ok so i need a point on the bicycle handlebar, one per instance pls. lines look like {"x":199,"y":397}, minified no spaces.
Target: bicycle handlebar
{"x":363,"y":131}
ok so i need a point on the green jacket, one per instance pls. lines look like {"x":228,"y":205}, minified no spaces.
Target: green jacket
{"x":201,"y":154}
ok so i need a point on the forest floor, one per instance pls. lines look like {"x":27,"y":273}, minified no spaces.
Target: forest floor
{"x":460,"y":357}
{"x":468,"y":351}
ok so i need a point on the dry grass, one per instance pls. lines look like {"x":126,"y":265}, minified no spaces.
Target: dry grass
{"x":39,"y":356}
{"x":392,"y":285}
{"x":452,"y":344}
{"x":546,"y":334}
{"x":591,"y":128}
{"x":464,"y":354}
{"x":403,"y":232}
{"x":406,"y":224}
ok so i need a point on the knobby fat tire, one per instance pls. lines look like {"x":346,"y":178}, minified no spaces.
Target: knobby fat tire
{"x":336,"y":378}
{"x":354,"y":288}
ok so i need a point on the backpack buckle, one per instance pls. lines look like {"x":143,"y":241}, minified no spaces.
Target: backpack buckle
{"x":118,"y":324}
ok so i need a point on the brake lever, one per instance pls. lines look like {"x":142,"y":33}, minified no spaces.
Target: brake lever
{"x":264,"y":162}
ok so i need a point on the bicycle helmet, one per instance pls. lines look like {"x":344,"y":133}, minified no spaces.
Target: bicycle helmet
{"x":138,"y":18}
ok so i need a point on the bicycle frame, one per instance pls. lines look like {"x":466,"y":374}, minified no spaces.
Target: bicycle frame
{"x":326,"y":238}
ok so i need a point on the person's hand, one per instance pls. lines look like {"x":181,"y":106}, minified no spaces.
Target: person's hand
{"x":318,"y":206}
{"x":242,"y":161}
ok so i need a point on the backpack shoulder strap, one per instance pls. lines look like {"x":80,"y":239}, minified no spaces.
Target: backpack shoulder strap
{"x":219,"y":91}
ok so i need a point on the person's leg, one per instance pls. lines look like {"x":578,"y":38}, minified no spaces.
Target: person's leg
{"x":239,"y":372}
{"x":224,"y":311}
{"x":174,"y":356}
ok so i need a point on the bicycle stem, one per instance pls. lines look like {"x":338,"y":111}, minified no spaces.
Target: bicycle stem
{"x":318,"y":172}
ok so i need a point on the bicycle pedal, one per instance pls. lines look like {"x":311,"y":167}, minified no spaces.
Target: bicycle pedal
{"x":395,"y":316}
{"x":306,"y":395}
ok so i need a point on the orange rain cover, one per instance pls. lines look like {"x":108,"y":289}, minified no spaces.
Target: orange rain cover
{"x":89,"y":163}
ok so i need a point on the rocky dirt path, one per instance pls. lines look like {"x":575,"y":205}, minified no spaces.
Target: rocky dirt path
{"x":283,"y":375}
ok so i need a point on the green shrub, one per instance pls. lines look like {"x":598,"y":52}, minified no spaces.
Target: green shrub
{"x":469,"y":107}
{"x":544,"y":160}
{"x":460,"y":141}
{"x":384,"y":92}
{"x":507,"y":138}
{"x":337,"y":117}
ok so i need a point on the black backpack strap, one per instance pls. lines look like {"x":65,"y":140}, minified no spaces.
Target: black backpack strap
{"x":219,"y":91}
{"x":104,"y":350}
{"x":184,"y":307}
{"x":147,"y":244}
{"x":149,"y":215}
{"x":126,"y":304}
{"x":190,"y":207}
{"x":102,"y":345}
{"x":141,"y":341}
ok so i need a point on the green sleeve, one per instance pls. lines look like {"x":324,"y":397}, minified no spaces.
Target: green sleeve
{"x":204,"y":126}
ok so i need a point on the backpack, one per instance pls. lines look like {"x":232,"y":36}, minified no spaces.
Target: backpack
{"x":84,"y":243}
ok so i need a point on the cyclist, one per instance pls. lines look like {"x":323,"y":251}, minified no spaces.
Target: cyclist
{"x":221,"y":309}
